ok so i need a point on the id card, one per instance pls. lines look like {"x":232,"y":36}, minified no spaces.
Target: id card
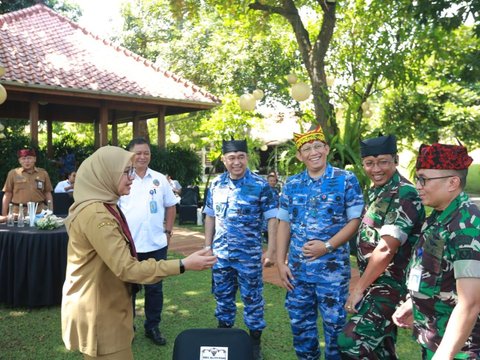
{"x":153,"y":207}
{"x":39,"y":184}
{"x":414,"y":279}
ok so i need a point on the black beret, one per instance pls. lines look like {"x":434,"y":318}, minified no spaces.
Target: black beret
{"x":234,"y":146}
{"x":379,"y":145}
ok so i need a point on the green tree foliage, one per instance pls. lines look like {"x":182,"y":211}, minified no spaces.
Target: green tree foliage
{"x":64,"y":7}
{"x":445,"y":103}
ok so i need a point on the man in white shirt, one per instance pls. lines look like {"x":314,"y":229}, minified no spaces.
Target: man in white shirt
{"x":150,"y":213}
{"x":67,"y":185}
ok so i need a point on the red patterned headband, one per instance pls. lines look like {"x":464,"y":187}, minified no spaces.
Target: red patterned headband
{"x":443,"y":157}
{"x":25,"y":152}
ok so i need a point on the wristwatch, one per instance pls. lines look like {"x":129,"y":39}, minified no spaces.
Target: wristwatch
{"x":168,"y":232}
{"x":329,"y":247}
{"x":182,"y":267}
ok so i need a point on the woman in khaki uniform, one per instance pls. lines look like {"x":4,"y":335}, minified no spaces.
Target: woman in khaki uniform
{"x":97,"y":316}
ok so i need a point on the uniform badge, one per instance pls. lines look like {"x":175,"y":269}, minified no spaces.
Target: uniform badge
{"x":391,"y":217}
{"x":156,"y":182}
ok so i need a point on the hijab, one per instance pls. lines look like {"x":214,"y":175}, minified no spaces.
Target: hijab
{"x":98,"y":178}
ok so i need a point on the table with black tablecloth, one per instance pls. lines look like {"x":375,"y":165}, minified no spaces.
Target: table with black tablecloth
{"x":32,"y":266}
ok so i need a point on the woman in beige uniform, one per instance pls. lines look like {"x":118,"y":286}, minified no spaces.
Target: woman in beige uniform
{"x":97,"y":316}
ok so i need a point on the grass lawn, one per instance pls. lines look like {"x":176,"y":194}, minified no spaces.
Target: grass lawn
{"x":36,"y":334}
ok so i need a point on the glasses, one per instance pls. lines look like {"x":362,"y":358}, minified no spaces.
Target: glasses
{"x":382,"y":164}
{"x":309,"y":149}
{"x":423,"y":180}
{"x":130,"y":173}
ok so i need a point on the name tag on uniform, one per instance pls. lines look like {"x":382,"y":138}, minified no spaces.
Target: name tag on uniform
{"x":414,"y":279}
{"x":153,"y":207}
{"x":39,"y":184}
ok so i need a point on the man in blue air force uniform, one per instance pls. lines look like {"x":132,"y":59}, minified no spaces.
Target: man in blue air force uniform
{"x":236,"y":204}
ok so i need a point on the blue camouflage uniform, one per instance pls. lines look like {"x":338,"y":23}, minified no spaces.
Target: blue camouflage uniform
{"x":318,"y":209}
{"x":239,"y":207}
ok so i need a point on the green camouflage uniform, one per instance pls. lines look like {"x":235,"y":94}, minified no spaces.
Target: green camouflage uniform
{"x":448,"y":249}
{"x":394,"y":209}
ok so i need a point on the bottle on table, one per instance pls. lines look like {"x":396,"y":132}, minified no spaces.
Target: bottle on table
{"x":21,"y":216}
{"x":10,"y":218}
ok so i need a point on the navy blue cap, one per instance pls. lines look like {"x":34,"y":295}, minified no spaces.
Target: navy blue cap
{"x":378,"y":146}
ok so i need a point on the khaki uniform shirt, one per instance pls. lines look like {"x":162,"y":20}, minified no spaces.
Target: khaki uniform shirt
{"x":97,"y":313}
{"x":26,"y":186}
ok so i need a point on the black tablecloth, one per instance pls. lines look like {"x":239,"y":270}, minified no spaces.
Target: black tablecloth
{"x":32,"y":266}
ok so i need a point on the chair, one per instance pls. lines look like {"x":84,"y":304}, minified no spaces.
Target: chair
{"x":61,"y":203}
{"x":187,"y":209}
{"x":194,"y":344}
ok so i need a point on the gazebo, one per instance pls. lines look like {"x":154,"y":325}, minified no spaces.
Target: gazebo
{"x":56,"y":70}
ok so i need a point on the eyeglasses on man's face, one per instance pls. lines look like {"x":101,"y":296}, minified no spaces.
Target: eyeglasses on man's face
{"x":307,"y":149}
{"x":382,"y":164}
{"x":422,"y":180}
{"x":130,"y":172}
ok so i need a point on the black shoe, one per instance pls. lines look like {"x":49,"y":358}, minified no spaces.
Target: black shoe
{"x":255,"y":335}
{"x":222,"y":325}
{"x":156,"y":336}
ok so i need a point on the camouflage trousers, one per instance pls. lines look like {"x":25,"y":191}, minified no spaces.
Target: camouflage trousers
{"x":303,"y":304}
{"x":225,"y":283}
{"x":370,"y":333}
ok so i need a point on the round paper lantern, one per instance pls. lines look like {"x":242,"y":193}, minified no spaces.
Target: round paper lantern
{"x":3,"y":94}
{"x":2,"y":135}
{"x":330,"y":80}
{"x":367,"y":114}
{"x":301,"y":91}
{"x":365,"y":106}
{"x":247,"y":102}
{"x":192,"y":146}
{"x":264,"y":148}
{"x":174,"y":138}
{"x":292,"y":78}
{"x":257,"y":94}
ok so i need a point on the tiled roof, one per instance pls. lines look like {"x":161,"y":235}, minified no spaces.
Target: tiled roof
{"x":39,"y":47}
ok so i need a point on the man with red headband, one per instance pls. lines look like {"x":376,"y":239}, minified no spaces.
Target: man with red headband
{"x":444,"y":272}
{"x":319,"y":212}
{"x":26,"y":183}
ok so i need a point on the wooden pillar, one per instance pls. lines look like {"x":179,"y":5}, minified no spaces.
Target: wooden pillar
{"x":103,"y":125}
{"x":34,"y":122}
{"x":49,"y":139}
{"x":96,"y":132}
{"x":114,"y":128}
{"x":135,"y":121}
{"x":161,"y":138}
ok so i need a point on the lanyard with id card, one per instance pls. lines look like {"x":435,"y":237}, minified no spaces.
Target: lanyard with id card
{"x":153,"y":202}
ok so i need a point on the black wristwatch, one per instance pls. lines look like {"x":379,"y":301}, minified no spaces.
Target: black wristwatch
{"x":182,"y":267}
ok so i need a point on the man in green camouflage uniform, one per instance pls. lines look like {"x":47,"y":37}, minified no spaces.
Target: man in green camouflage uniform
{"x":390,"y":227}
{"x":444,"y":273}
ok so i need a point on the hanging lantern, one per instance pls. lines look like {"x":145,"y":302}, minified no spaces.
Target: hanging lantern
{"x":2,"y":136}
{"x":174,"y":138}
{"x":367,"y":114}
{"x":330,"y":80}
{"x":366,"y":105}
{"x":301,"y":91}
{"x":257,"y":94}
{"x":3,"y":94}
{"x":264,"y":147}
{"x":192,"y":146}
{"x":247,"y":102}
{"x":292,"y":78}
